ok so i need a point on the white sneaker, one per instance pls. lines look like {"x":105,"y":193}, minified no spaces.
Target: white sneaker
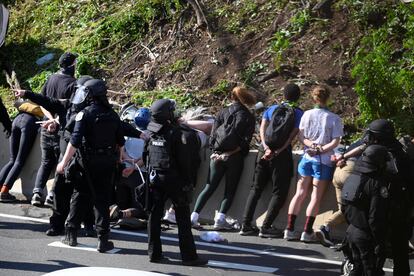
{"x":307,"y":237}
{"x":222,"y":224}
{"x":170,"y":217}
{"x":290,"y":235}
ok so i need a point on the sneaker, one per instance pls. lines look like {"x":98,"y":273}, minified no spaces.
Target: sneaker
{"x":196,"y":225}
{"x":323,"y":236}
{"x":222,"y":224}
{"x":170,"y":217}
{"x":270,"y":233}
{"x":307,"y":237}
{"x":7,"y":197}
{"x":196,"y":262}
{"x":49,"y":202}
{"x":114,"y":212}
{"x":36,"y":200}
{"x":290,"y":235}
{"x":248,"y":230}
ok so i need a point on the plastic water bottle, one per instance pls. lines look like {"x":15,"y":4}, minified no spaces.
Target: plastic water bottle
{"x":45,"y":59}
{"x":212,"y":236}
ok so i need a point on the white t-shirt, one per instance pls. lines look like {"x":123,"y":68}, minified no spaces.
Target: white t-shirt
{"x":321,"y":126}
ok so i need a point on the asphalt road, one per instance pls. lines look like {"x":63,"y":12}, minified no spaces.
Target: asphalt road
{"x":26,"y":250}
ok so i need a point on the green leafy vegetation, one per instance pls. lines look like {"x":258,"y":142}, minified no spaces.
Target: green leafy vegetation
{"x":221,"y":88}
{"x":145,"y":98}
{"x":383,"y":67}
{"x":280,"y":41}
{"x":101,"y":32}
{"x":180,"y":65}
{"x":250,"y":73}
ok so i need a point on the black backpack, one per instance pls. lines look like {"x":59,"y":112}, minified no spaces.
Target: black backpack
{"x":225,"y":137}
{"x":280,"y":126}
{"x":188,"y":158}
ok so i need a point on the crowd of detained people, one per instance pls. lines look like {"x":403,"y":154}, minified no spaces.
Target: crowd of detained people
{"x":371,"y":176}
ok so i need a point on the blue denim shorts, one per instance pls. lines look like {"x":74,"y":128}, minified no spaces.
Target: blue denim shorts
{"x":315,"y":169}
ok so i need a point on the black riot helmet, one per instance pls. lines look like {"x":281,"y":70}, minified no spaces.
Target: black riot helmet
{"x":162,"y":111}
{"x":96,"y":88}
{"x":381,"y":130}
{"x":373,"y":159}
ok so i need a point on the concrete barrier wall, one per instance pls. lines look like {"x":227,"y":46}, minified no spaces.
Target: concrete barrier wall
{"x":25,"y":183}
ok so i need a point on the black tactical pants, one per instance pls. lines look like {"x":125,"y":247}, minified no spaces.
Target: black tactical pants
{"x":63,"y":187}
{"x":400,"y":233}
{"x":98,"y":185}
{"x":363,"y":252}
{"x":279,"y":170}
{"x":182,"y":214}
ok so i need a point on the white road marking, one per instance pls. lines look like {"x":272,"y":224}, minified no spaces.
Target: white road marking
{"x":254,"y":268}
{"x":214,"y":245}
{"x":81,"y":247}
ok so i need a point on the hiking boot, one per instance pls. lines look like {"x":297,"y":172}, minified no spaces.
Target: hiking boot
{"x":36,"y":200}
{"x":49,"y":202}
{"x":196,"y":262}
{"x":323,"y":236}
{"x":7,"y":197}
{"x":290,"y":235}
{"x":53,"y":232}
{"x":248,"y":230}
{"x":169,"y":217}
{"x":270,"y":233}
{"x":222,"y":224}
{"x":114,"y":212}
{"x":70,"y":238}
{"x":307,"y":237}
{"x":104,"y":244}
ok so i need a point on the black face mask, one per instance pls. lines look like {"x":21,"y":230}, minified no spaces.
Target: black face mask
{"x":69,"y":70}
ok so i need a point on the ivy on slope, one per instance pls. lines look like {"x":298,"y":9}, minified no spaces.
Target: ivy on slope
{"x":383,"y":65}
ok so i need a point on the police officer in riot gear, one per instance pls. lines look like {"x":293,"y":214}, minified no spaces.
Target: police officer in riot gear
{"x":381,"y":132}
{"x":98,"y":135}
{"x":365,"y":197}
{"x":63,"y":183}
{"x":166,"y":180}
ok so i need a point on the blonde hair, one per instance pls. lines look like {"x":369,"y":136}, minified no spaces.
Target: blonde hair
{"x":243,"y":95}
{"x":320,"y":94}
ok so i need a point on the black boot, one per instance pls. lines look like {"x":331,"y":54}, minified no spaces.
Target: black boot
{"x":104,"y":244}
{"x":71,"y":236}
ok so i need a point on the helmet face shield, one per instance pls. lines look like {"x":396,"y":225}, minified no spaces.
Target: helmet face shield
{"x":80,"y":95}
